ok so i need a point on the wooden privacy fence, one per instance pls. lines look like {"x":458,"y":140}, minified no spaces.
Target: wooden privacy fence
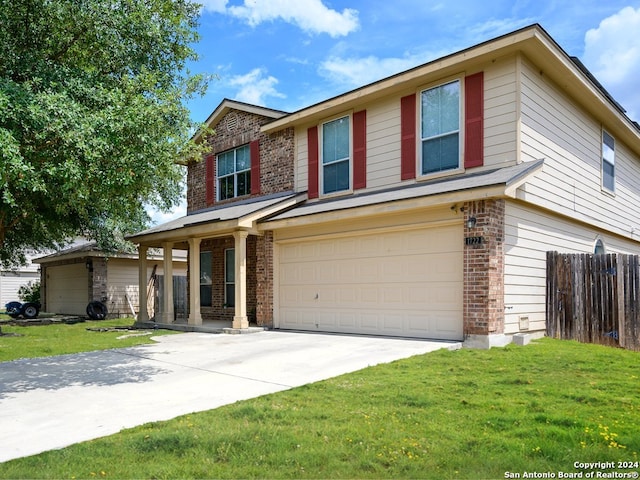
{"x":594,"y":298}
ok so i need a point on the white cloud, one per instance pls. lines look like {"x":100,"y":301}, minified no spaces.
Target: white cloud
{"x":310,"y":15}
{"x":218,"y":6}
{"x":612,"y":53}
{"x":356,"y":72}
{"x":255,"y":86}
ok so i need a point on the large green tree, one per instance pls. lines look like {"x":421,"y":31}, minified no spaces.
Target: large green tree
{"x":92,"y":116}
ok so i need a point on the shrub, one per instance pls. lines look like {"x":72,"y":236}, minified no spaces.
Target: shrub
{"x":30,"y":292}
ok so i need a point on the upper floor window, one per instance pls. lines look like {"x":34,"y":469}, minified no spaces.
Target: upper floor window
{"x":234,"y":173}
{"x":336,"y":155}
{"x":440,"y":128}
{"x":608,"y":162}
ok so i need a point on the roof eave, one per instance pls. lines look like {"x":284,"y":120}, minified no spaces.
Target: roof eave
{"x":454,"y":63}
{"x":226,"y":105}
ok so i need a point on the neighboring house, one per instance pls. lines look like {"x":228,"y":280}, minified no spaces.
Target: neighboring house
{"x":11,"y":279}
{"x":421,"y":205}
{"x":80,"y":274}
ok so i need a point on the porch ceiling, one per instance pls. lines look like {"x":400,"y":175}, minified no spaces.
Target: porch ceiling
{"x":217,"y":221}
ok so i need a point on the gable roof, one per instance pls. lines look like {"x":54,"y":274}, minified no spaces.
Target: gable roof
{"x":91,"y":249}
{"x":532,"y":41}
{"x":226,"y":105}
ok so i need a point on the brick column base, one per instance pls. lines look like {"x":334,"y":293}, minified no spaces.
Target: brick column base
{"x":264,"y":280}
{"x":484,"y":268}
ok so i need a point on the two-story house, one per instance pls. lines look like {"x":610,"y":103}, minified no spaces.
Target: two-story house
{"x":421,"y":205}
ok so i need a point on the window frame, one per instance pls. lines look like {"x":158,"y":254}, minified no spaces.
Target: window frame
{"x":207,"y":285}
{"x":599,"y":247}
{"x":604,"y":175}
{"x":229,"y":270}
{"x":459,"y":79}
{"x":321,"y":152}
{"x":233,"y":174}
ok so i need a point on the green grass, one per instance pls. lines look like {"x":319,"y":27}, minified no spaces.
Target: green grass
{"x":461,"y":414}
{"x":58,"y":339}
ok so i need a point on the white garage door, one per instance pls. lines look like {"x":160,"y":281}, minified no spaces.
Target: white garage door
{"x":404,"y":283}
{"x":67,"y":289}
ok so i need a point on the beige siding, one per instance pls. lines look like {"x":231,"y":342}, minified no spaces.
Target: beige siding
{"x":556,"y":129}
{"x":383,"y":144}
{"x":383,"y":131}
{"x":123,"y":282}
{"x":500,"y":113}
{"x":529,"y":234}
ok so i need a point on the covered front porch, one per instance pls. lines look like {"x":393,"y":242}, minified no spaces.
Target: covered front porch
{"x":230,"y":267}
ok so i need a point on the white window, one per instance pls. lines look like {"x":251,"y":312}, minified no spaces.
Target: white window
{"x":205,"y":279}
{"x":440,"y":128}
{"x":336,"y":155}
{"x":234,"y":173}
{"x":230,"y":277}
{"x":608,"y":162}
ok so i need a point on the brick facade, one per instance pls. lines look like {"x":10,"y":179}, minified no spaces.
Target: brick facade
{"x":218,"y":309}
{"x":239,"y":128}
{"x":483,"y":309}
{"x":264,"y":277}
{"x":235,"y":129}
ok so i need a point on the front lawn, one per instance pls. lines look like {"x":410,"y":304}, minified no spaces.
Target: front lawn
{"x":547,"y":408}
{"x":58,"y":339}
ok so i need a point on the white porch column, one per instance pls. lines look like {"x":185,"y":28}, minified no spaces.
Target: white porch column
{"x":240,"y":320}
{"x":167,"y":267}
{"x":195,"y":318}
{"x":143,"y":314}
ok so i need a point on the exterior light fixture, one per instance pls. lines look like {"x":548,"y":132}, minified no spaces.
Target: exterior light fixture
{"x":471,"y":222}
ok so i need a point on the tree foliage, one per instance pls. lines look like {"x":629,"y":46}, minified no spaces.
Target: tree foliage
{"x":92,"y":116}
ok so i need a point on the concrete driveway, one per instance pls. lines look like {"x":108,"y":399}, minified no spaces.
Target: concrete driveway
{"x":50,"y":403}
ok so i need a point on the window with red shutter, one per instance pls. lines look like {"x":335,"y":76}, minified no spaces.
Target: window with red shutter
{"x":254,"y":148}
{"x":312,"y":145}
{"x":408,"y":137}
{"x":360,"y":150}
{"x":210,"y":178}
{"x":474,"y":120}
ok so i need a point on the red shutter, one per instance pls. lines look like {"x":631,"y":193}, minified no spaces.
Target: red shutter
{"x":210,"y":179}
{"x":360,"y":149}
{"x":408,"y":137}
{"x":474,"y":120}
{"x":312,"y":144}
{"x":254,"y":149}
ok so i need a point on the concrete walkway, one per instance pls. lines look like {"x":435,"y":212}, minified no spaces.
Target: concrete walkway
{"x":50,"y":403}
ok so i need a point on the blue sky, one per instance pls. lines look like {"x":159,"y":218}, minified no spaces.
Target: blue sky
{"x":288,"y":54}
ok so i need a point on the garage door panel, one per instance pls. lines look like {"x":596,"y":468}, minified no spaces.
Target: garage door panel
{"x":402,"y":283}
{"x":67,"y":289}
